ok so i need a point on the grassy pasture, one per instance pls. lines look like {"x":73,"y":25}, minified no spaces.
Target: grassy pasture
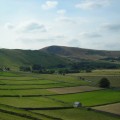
{"x":94,"y":80}
{"x":35,"y":86}
{"x":73,"y":89}
{"x":30,"y":84}
{"x":21,"y":114}
{"x":111,"y":108}
{"x":101,"y":72}
{"x":91,"y":98}
{"x":26,"y":92}
{"x":76,"y":114}
{"x":108,"y":71}
{"x":5,"y":116}
{"x":31,"y":102}
{"x":8,"y":74}
{"x":94,"y":77}
{"x":65,"y":79}
{"x":41,"y":82}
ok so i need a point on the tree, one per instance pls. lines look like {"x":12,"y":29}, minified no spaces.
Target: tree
{"x":104,"y":83}
{"x":36,"y":67}
{"x":88,"y":70}
{"x":1,"y":69}
{"x":25,"y":68}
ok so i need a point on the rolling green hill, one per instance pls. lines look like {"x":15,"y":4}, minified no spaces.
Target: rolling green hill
{"x":15,"y":58}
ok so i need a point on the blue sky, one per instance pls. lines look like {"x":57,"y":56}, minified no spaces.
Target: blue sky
{"x":34,"y":24}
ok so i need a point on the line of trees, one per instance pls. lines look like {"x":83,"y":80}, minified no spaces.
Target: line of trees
{"x":89,"y":65}
{"x":86,"y":66}
{"x":37,"y":69}
{"x":40,"y":69}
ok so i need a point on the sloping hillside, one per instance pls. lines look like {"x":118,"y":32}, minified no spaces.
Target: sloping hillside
{"x":79,"y":53}
{"x":15,"y":58}
{"x":56,"y":56}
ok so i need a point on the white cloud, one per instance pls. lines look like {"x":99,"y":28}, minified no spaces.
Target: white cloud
{"x":111,"y":27}
{"x":33,"y":26}
{"x":90,"y":35}
{"x":65,"y":19}
{"x":61,"y":12}
{"x":9,"y":26}
{"x":49,"y":5}
{"x":39,"y":41}
{"x":92,"y":4}
{"x":42,"y":39}
{"x":27,"y":26}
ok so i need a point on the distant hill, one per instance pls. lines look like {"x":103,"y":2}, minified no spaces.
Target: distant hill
{"x":14,"y":58}
{"x":79,"y":53}
{"x":57,"y":56}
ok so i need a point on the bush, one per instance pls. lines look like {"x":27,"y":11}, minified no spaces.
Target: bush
{"x":104,"y":83}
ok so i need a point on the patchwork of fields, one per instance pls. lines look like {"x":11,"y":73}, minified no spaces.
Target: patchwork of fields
{"x":28,"y":96}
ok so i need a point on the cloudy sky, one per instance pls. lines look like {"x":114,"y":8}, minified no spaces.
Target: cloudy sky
{"x":34,"y":24}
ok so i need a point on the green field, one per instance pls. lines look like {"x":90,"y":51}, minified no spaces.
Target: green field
{"x":91,"y":98}
{"x":20,"y":114}
{"x":94,"y":77}
{"x":25,"y":92}
{"x":36,"y":86}
{"x":76,"y":114}
{"x":26,"y":96}
{"x":40,"y":82}
{"x":31,"y":102}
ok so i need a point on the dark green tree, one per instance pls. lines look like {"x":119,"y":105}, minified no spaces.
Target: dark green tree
{"x":104,"y":83}
{"x":25,"y":68}
{"x":37,"y":67}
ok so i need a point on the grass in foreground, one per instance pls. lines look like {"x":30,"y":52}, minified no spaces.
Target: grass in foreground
{"x":13,"y":113}
{"x":76,"y":114}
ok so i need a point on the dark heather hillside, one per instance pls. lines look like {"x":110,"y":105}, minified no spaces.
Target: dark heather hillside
{"x":79,"y":53}
{"x":16,"y":58}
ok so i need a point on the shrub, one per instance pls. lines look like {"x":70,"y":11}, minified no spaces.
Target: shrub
{"x":104,"y":83}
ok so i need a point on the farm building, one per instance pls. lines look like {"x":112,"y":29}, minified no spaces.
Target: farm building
{"x":77,"y":104}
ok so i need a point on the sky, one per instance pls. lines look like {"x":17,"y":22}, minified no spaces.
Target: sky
{"x":34,"y":24}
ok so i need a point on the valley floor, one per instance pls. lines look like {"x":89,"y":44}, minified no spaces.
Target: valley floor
{"x":29,"y":96}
